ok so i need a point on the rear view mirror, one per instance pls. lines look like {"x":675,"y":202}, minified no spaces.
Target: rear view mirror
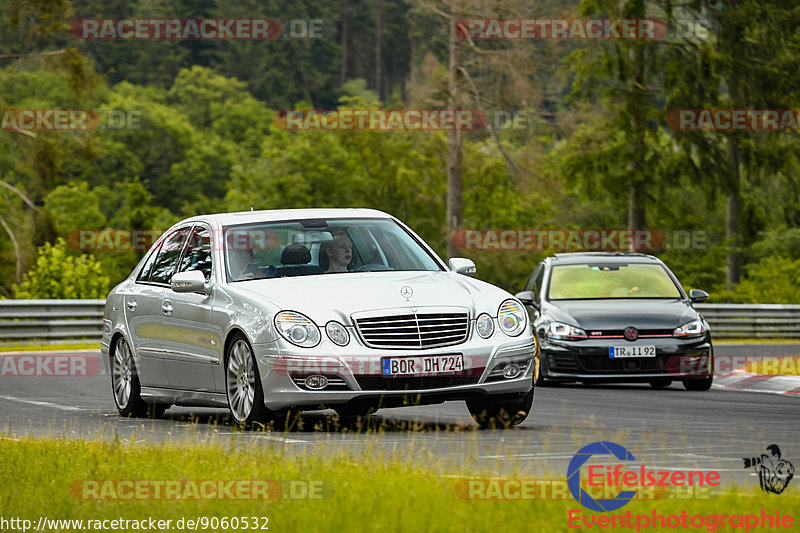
{"x":697,"y":296}
{"x":462,"y":265}
{"x":192,"y":281}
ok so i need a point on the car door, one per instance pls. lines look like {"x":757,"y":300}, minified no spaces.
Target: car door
{"x":142,"y":306}
{"x":192,"y":343}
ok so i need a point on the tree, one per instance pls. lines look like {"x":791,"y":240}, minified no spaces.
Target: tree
{"x":57,"y":274}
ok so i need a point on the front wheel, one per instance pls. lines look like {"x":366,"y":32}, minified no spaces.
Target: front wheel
{"x":243,"y":384}
{"x":698,"y":384}
{"x":501,"y":411}
{"x":660,"y":383}
{"x":126,"y":387}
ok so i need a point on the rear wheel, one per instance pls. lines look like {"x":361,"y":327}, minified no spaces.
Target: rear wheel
{"x":660,"y":383}
{"x":126,"y":387}
{"x":243,"y":384}
{"x":501,"y":411}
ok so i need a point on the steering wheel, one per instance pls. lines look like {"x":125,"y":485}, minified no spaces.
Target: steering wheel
{"x":372,"y":267}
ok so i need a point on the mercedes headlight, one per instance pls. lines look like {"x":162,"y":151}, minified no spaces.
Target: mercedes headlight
{"x":297,"y":329}
{"x":565,"y":332}
{"x":484,"y":325}
{"x":512,"y":318}
{"x":337,"y":333}
{"x":694,"y":328}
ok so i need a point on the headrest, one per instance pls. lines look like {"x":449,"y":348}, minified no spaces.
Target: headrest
{"x":295,"y":254}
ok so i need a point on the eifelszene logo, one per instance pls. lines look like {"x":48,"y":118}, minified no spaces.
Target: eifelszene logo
{"x":774,"y":473}
{"x":615,"y":476}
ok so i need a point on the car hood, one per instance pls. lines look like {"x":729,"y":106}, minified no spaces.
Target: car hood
{"x":619,"y":314}
{"x":337,"y":296}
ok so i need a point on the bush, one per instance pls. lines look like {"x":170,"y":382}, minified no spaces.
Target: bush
{"x":58,"y":274}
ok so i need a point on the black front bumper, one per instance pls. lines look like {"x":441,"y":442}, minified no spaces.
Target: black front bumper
{"x":589,"y":360}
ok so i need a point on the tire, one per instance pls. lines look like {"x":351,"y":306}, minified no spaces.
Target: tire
{"x":125,"y":386}
{"x":660,"y":383}
{"x":698,"y":384}
{"x":501,"y":411}
{"x":243,"y":384}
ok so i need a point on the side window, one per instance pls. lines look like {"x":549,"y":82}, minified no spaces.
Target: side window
{"x":168,"y":256}
{"x":198,"y":253}
{"x":144,"y":275}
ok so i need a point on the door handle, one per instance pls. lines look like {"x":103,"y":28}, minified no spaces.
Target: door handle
{"x":131,"y":305}
{"x":166,"y":308}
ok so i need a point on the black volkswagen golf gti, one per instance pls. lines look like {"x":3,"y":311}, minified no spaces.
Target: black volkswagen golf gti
{"x":616,"y":317}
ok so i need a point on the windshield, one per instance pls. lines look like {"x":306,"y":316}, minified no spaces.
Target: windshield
{"x":312,"y":247}
{"x":611,"y":280}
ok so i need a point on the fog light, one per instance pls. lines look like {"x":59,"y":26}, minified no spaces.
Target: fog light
{"x":511,"y":371}
{"x":316,"y":382}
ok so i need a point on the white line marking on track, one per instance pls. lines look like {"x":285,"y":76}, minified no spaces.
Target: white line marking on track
{"x":43,"y":404}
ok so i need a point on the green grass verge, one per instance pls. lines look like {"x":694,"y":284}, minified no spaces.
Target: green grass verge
{"x":48,"y":347}
{"x":362,"y":492}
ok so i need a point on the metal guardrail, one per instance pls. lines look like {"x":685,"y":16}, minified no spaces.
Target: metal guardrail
{"x":752,"y":320}
{"x":50,"y":321}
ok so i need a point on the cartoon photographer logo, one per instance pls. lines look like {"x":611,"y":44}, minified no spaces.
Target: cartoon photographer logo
{"x":774,"y":473}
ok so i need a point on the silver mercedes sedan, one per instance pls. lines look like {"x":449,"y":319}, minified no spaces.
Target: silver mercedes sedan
{"x":269,"y":313}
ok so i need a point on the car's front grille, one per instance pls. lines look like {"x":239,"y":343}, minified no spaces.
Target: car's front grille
{"x":601,"y":363}
{"x":413,"y":383}
{"x":414,"y":330}
{"x":620,"y":333}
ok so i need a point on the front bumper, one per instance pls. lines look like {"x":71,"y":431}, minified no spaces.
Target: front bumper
{"x":355,"y":377}
{"x":589,"y":360}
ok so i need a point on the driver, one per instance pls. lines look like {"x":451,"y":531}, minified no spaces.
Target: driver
{"x":339,"y":252}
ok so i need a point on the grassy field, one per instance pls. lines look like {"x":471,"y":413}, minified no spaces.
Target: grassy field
{"x":76,"y":479}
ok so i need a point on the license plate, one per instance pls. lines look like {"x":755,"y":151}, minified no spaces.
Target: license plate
{"x":618,"y":352}
{"x":422,"y":365}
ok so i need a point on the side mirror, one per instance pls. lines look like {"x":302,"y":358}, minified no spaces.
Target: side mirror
{"x":192,"y":281}
{"x":462,"y":265}
{"x":698,"y":296}
{"x":527,"y":298}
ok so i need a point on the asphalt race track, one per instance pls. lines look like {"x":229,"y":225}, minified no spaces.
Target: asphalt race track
{"x":666,"y":429}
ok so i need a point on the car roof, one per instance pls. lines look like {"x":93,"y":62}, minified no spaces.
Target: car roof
{"x":576,"y":258}
{"x":247,"y":217}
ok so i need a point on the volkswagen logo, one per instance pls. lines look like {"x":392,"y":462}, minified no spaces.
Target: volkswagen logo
{"x":406,"y":292}
{"x":631,"y":334}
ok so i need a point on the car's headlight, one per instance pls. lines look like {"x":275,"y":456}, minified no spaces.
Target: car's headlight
{"x":561,"y":331}
{"x":297,"y":329}
{"x":484,"y":325}
{"x":337,"y":333}
{"x":512,"y":318}
{"x":694,"y":328}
